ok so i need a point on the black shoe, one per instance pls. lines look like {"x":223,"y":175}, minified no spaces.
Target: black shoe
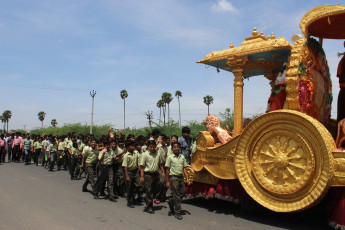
{"x":95,"y":196}
{"x":102,"y":194}
{"x":178,"y":216}
{"x":84,"y":190}
{"x":171,"y":207}
{"x":112,"y":199}
{"x":130,"y":204}
{"x":150,"y":210}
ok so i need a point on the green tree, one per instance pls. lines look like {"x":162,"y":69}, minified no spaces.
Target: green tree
{"x":160,"y":105}
{"x":41,"y":115}
{"x":124,"y":95}
{"x":7,"y":114}
{"x":178,"y":94}
{"x":2,"y":119}
{"x":166,"y":98}
{"x":208,"y":100}
{"x":227,"y":118}
{"x":54,"y":123}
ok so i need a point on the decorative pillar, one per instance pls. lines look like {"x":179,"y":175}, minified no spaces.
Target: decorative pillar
{"x":238,"y":101}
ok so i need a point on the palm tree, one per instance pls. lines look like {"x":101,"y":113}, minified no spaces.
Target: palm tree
{"x":7,"y":114}
{"x":160,"y":105}
{"x":54,"y":123}
{"x":178,"y":94}
{"x":166,"y":98}
{"x":208,"y":100}
{"x":41,"y":116}
{"x":3,"y":121}
{"x":124,"y":95}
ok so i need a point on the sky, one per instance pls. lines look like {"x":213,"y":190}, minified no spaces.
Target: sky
{"x":53,"y":53}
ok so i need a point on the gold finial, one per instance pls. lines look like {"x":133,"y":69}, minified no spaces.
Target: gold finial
{"x":255,"y":32}
{"x":268,"y":37}
{"x":273,"y":36}
{"x":232,"y":45}
{"x":262,"y":33}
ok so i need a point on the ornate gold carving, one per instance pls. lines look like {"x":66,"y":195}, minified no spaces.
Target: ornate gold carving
{"x":219,"y":160}
{"x":339,"y":167}
{"x":297,"y":180}
{"x":232,"y":45}
{"x":238,"y":102}
{"x":292,"y":75}
{"x":236,"y":62}
{"x":283,"y":162}
{"x":318,"y":13}
{"x":204,"y":140}
{"x":190,"y":173}
{"x":205,"y":177}
{"x":256,"y":44}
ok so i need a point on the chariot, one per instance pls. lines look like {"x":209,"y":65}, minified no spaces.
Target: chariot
{"x":286,"y":160}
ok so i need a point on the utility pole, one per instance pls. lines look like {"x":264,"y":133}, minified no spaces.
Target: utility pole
{"x":93,"y":94}
{"x":150,"y":118}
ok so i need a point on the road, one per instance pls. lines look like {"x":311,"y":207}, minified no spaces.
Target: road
{"x":33,"y":198}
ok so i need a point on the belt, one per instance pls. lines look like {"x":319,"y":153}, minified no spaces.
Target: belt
{"x":151,"y":173}
{"x":342,"y":85}
{"x":176,"y":176}
{"x":133,"y":170}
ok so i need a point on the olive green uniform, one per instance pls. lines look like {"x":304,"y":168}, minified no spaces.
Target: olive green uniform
{"x":150,"y":162}
{"x":53,"y":152}
{"x":38,"y":150}
{"x":106,"y":173}
{"x":75,"y":167}
{"x":176,"y":165}
{"x":120,"y":185}
{"x":91,"y":159}
{"x":130,"y":161}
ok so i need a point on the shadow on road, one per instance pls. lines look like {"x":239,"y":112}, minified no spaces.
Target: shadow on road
{"x":314,"y":218}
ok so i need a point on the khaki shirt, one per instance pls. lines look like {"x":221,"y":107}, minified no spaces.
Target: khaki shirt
{"x":176,"y":164}
{"x":118,"y":151}
{"x":130,"y":161}
{"x":108,"y":157}
{"x":139,"y":155}
{"x":144,"y":148}
{"x":90,"y":155}
{"x":163,"y":151}
{"x":74,"y":152}
{"x":61,"y":146}
{"x":38,"y":145}
{"x":150,"y":161}
{"x":52,"y":147}
{"x":81,"y":146}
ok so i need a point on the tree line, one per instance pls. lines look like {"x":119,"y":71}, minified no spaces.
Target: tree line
{"x":163,"y":104}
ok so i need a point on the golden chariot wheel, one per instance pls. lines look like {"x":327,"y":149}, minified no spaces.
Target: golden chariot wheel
{"x":284,"y":160}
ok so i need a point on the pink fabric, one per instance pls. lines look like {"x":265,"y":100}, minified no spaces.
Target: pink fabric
{"x":18,"y":141}
{"x":3,"y":143}
{"x":336,"y":207}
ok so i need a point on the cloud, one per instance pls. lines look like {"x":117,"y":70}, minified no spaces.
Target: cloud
{"x":223,"y":6}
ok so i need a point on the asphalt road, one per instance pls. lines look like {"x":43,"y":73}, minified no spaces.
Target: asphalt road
{"x":33,"y":198}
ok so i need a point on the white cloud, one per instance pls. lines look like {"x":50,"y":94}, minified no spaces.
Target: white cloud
{"x":223,"y":6}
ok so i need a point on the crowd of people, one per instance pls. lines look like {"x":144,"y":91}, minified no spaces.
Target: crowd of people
{"x":114,"y":165}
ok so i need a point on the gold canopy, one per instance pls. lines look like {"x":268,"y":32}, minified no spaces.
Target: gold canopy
{"x":326,"y":21}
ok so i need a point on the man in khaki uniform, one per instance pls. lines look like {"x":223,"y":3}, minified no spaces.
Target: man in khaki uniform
{"x":130,"y":165}
{"x":149,"y":164}
{"x":90,"y":155}
{"x":106,"y":158}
